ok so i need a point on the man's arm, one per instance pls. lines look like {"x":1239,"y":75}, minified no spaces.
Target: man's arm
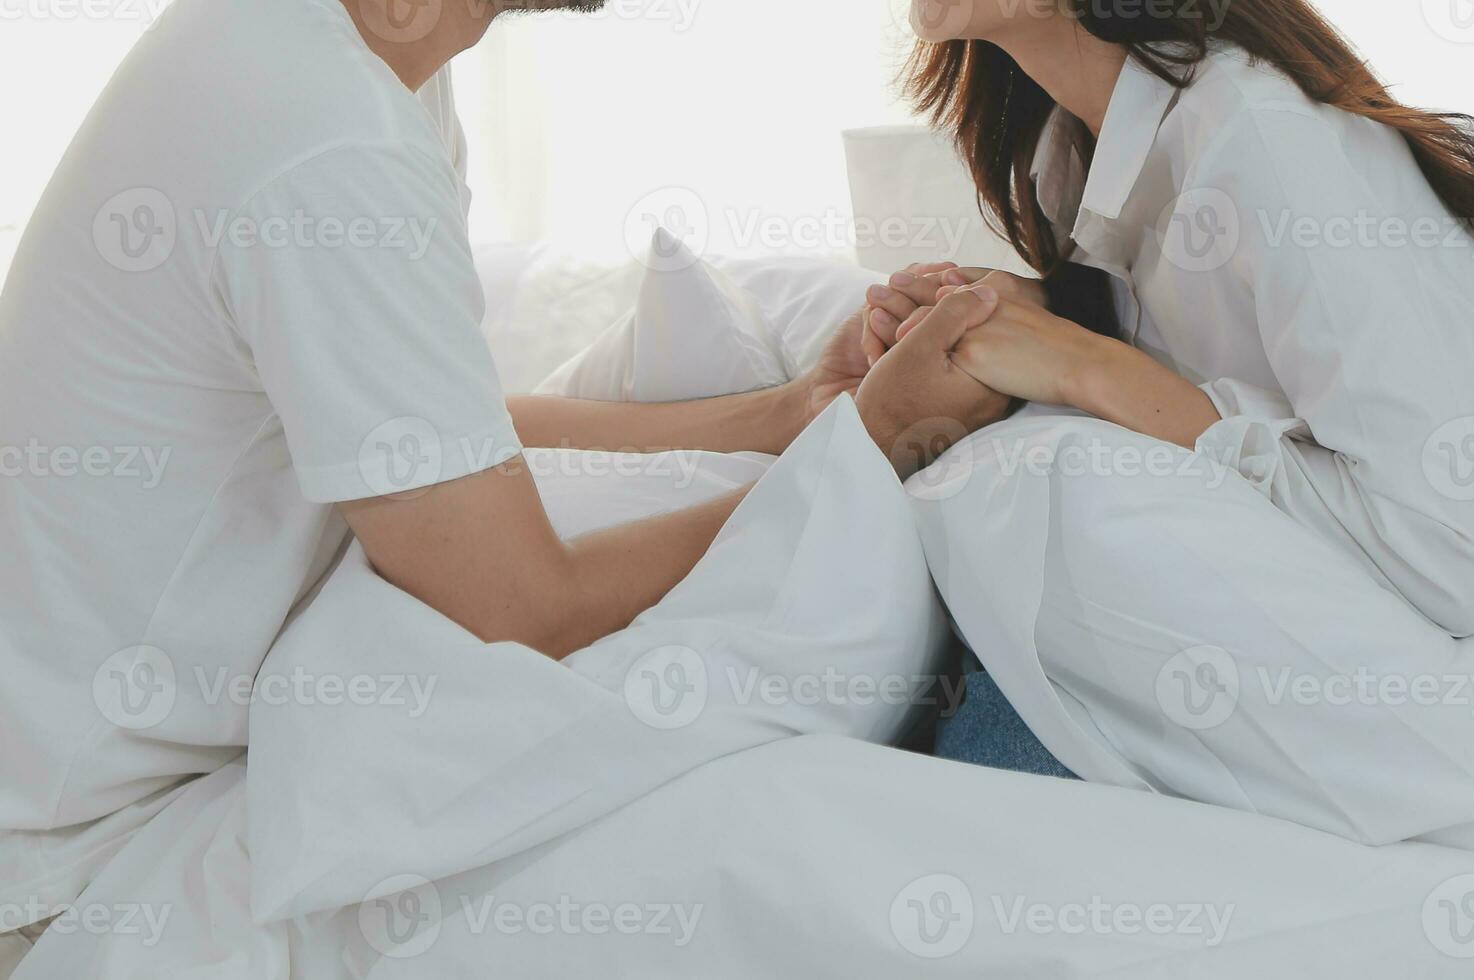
{"x":482,"y":551}
{"x":760,"y":421}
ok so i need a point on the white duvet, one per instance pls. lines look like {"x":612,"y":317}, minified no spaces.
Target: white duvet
{"x":811,"y":857}
{"x":692,"y":798}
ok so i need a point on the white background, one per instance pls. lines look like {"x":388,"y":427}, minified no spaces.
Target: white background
{"x":574,"y":120}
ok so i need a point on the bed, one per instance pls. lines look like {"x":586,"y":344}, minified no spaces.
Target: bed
{"x":543,"y":820}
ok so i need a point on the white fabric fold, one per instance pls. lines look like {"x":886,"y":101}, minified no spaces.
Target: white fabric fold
{"x":813,"y":856}
{"x":1287,"y":682}
{"x":819,"y":575}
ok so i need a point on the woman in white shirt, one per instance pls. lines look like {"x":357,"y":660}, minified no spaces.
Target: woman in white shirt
{"x":1289,"y":255}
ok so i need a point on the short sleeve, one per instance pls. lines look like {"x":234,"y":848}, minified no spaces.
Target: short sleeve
{"x":351,"y":281}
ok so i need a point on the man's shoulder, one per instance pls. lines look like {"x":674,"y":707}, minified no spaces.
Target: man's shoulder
{"x":243,"y":89}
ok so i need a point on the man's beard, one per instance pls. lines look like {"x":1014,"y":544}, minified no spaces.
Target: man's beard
{"x":537,"y":6}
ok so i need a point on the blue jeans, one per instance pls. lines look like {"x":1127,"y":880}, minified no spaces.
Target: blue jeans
{"x":986,"y":731}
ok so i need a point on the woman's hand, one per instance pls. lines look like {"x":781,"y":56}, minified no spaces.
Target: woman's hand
{"x":1029,"y":353}
{"x":1025,"y":351}
{"x":921,"y":286}
{"x":852,"y":351}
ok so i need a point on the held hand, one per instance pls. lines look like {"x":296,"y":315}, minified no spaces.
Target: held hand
{"x":1029,"y":353}
{"x":920,"y":286}
{"x":841,"y":368}
{"x":916,"y":402}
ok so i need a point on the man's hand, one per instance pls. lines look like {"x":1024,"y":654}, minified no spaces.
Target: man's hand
{"x":841,"y":368}
{"x":916,"y":403}
{"x":856,"y":345}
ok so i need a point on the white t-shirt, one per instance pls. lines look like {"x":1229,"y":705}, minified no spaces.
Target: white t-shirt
{"x":247,"y":294}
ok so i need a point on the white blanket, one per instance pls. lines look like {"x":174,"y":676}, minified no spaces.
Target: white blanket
{"x":497,"y":814}
{"x":811,"y":857}
{"x":525,"y":821}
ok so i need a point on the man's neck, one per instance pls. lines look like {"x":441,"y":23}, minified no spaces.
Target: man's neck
{"x":417,"y":38}
{"x":1078,"y":70}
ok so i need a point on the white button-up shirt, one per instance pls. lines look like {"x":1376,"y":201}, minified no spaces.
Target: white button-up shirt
{"x":1292,"y":259}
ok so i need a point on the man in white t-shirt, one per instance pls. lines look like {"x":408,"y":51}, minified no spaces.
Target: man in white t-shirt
{"x":243,"y":317}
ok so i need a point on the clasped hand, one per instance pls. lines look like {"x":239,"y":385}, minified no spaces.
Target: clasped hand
{"x":942,"y":351}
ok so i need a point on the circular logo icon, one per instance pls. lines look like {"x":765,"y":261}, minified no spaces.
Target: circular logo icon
{"x":406,"y":921}
{"x":667,"y":688}
{"x":1448,"y":460}
{"x":933,"y":917}
{"x":1448,"y":917}
{"x":401,"y":458}
{"x":136,"y":688}
{"x":400,"y":21}
{"x":1199,"y":688}
{"x":1452,"y":20}
{"x":136,"y":231}
{"x":940,"y":20}
{"x":945,"y":456}
{"x":1200,"y":230}
{"x":668,"y":230}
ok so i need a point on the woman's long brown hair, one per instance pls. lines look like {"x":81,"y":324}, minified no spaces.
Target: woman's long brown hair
{"x":997,"y":113}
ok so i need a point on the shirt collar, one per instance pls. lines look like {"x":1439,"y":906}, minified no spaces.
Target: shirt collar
{"x":1138,"y":105}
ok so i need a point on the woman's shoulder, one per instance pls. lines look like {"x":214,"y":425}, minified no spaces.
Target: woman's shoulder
{"x":1231,"y":83}
{"x":1245,"y":109}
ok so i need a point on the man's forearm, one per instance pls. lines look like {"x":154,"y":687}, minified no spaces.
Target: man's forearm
{"x":764,"y":421}
{"x":618,"y":573}
{"x":481,"y":551}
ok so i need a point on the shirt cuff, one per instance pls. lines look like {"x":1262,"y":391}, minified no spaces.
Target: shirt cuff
{"x":1250,"y":438}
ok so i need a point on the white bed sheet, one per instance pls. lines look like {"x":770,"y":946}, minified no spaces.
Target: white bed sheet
{"x":817,"y":857}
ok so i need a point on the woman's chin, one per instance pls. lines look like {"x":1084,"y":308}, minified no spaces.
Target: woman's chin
{"x":937,"y":21}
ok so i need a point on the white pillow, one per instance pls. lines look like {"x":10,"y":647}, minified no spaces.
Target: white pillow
{"x":702,"y":329}
{"x":914,"y":201}
{"x":692,"y":333}
{"x":544,"y":305}
{"x":803,"y":300}
{"x":817,"y":584}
